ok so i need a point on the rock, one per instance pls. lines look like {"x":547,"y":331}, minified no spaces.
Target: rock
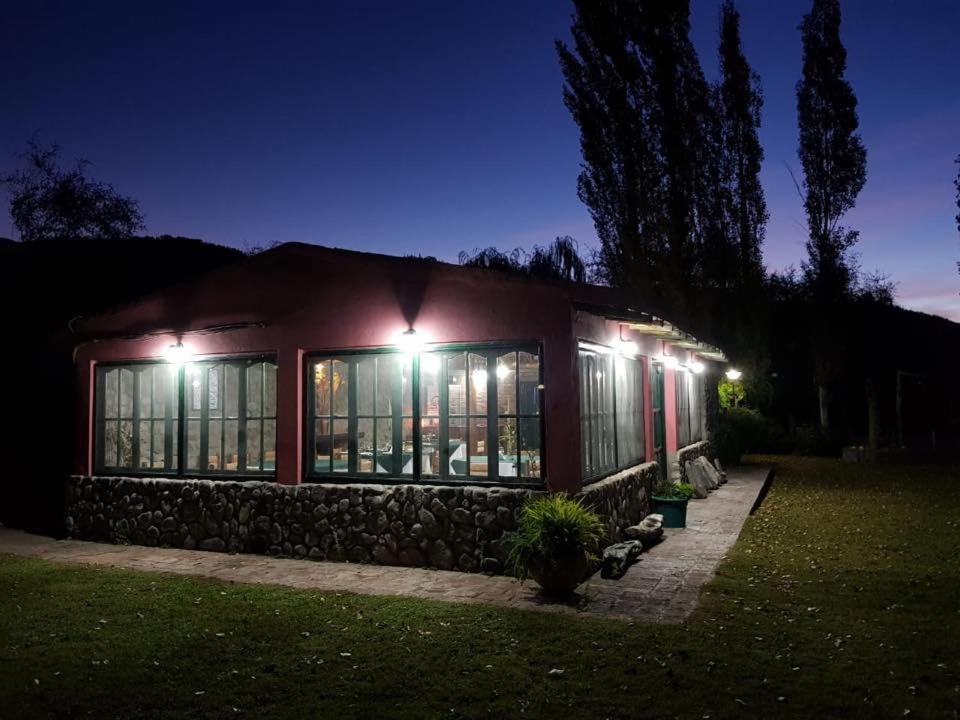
{"x":410,"y":556}
{"x":440,"y":555}
{"x":617,"y":558}
{"x":438,"y":508}
{"x":213,"y":544}
{"x":382,"y":555}
{"x":430,"y":525}
{"x":461,"y":516}
{"x":467,"y":563}
{"x":711,"y":472}
{"x":720,"y":470}
{"x":491,"y":565}
{"x":649,"y":532}
{"x":696,"y":477}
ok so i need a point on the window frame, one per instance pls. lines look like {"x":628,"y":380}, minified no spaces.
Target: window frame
{"x":180,"y":436}
{"x":417,"y":477}
{"x":598,"y":350}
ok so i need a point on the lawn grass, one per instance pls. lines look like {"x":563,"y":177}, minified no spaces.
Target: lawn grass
{"x":841,"y":599}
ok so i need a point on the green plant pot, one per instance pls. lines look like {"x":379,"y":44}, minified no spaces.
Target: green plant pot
{"x":674,"y":511}
{"x":562,"y":576}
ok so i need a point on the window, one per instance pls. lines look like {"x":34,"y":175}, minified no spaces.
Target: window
{"x":611,"y":411}
{"x":476,"y":413}
{"x":229,"y":409}
{"x":137,"y":417}
{"x":362,"y":414}
{"x":689,"y":388}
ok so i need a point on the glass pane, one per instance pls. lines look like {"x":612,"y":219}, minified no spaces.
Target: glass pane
{"x":478,"y":446}
{"x":110,"y":443}
{"x":430,"y":446}
{"x":193,"y":445}
{"x":529,"y":382}
{"x":384,"y":445}
{"x":321,"y":461}
{"x":366,"y":384}
{"x":174,"y":461}
{"x":126,"y":393}
{"x":406,"y":379}
{"x":214,"y":376}
{"x":457,"y":384}
{"x":253,"y":445}
{"x":125,"y":457}
{"x":269,"y":444}
{"x":231,"y":391}
{"x":341,"y":384}
{"x":478,"y":384}
{"x":215,"y":436}
{"x":111,"y":390}
{"x":231,"y":447}
{"x":144,"y":449}
{"x":194,"y":390}
{"x":341,"y":446}
{"x":254,"y":389}
{"x":321,"y":380}
{"x":507,"y":456}
{"x":457,"y":444}
{"x":530,"y":461}
{"x":145,"y":394}
{"x":406,"y":463}
{"x":269,"y":389}
{"x":365,"y":443}
{"x":386,"y":381}
{"x":507,"y":384}
{"x":430,"y":383}
{"x":157,"y":459}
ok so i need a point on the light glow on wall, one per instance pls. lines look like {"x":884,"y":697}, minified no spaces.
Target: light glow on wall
{"x":627,"y":347}
{"x":695,"y":366}
{"x":669,"y":361}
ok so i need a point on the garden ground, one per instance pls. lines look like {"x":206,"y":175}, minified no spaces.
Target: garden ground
{"x":841,"y":598}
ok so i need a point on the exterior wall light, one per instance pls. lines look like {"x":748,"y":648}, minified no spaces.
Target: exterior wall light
{"x":733,"y":374}
{"x":411,"y":342}
{"x":627,"y":347}
{"x":695,"y":366}
{"x":479,"y":377}
{"x":502,"y":371}
{"x":669,"y":361}
{"x":177,"y":354}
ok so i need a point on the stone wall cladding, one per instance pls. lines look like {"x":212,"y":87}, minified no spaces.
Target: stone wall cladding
{"x":451,"y":528}
{"x":622,"y":499}
{"x":692,"y":452}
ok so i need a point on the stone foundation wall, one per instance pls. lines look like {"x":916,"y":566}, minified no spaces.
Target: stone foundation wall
{"x":622,"y":499}
{"x":451,"y":528}
{"x":692,"y":452}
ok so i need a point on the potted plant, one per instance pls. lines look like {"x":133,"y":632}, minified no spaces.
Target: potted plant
{"x":670,"y":500}
{"x":555,"y":543}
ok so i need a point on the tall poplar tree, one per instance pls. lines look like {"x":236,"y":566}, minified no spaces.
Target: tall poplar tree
{"x":635,"y":88}
{"x":831,"y":152}
{"x":739,"y":103}
{"x":834,"y":164}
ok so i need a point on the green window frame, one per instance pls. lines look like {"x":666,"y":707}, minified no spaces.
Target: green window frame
{"x":434,"y":416}
{"x":156,"y":418}
{"x":612,"y":430}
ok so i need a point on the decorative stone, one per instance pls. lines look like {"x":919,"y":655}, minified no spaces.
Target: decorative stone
{"x":696,"y":477}
{"x":411,"y":557}
{"x":719,"y":467}
{"x":649,"y":532}
{"x":214,"y":544}
{"x":491,"y":565}
{"x":713,"y":477}
{"x":617,"y":558}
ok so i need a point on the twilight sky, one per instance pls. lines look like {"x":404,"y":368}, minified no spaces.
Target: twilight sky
{"x":435,"y":127}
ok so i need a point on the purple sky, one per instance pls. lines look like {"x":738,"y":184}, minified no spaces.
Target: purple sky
{"x":439,"y":127}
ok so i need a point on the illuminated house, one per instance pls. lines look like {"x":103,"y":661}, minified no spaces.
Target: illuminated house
{"x":342,"y":405}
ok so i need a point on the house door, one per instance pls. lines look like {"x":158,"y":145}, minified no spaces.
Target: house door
{"x":659,"y":419}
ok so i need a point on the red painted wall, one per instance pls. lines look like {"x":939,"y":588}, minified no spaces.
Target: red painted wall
{"x":299,"y":299}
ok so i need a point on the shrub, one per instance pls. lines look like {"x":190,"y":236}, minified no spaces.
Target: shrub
{"x":674,"y":491}
{"x":744,"y":430}
{"x":552,"y":528}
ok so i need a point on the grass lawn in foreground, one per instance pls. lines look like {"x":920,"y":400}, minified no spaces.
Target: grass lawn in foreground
{"x":841,"y":599}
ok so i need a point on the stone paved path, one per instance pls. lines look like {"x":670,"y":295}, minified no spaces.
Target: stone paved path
{"x":663,"y":587}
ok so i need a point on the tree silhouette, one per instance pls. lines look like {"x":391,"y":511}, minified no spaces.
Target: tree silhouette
{"x":739,"y":103}
{"x":560,"y":260}
{"x":833,"y":157}
{"x":956,"y":184}
{"x":48,"y":202}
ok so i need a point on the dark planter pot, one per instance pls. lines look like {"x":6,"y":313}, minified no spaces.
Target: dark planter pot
{"x":561,"y":576}
{"x":674,"y":511}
